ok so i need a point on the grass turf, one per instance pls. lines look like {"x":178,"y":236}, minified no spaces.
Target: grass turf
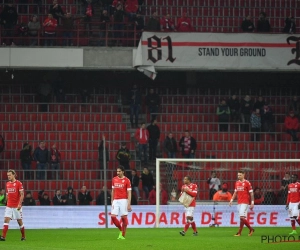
{"x":150,"y":238}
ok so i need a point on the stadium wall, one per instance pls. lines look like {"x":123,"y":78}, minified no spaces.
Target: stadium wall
{"x":43,"y":217}
{"x":66,"y":58}
{"x":169,"y":51}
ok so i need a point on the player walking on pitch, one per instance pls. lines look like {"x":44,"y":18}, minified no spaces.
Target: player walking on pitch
{"x":121,"y":200}
{"x":191,"y":189}
{"x":243,"y":190}
{"x":13,"y":210}
{"x":293,"y":202}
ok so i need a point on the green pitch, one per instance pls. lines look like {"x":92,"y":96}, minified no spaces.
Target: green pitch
{"x":148,"y":239}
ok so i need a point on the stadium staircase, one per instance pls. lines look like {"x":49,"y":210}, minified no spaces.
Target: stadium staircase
{"x":76,"y":129}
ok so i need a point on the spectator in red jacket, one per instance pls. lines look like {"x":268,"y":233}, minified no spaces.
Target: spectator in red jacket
{"x":184,"y":24}
{"x":291,"y":123}
{"x":163,"y":196}
{"x":50,"y":25}
{"x":131,"y":7}
{"x":142,"y":137}
{"x":166,"y":24}
{"x":115,"y":3}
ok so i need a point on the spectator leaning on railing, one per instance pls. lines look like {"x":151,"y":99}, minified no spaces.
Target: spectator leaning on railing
{"x":50,"y":25}
{"x":291,"y":123}
{"x":153,"y":23}
{"x":247,"y":24}
{"x":118,"y":24}
{"x":26,"y":159}
{"x":290,"y":25}
{"x":89,"y":12}
{"x":33,"y":29}
{"x":68,"y":28}
{"x":263,"y":24}
{"x":104,"y":19}
{"x":166,"y":24}
{"x":41,"y":156}
{"x":140,"y":24}
{"x":184,"y":24}
{"x":131,"y":8}
{"x":56,"y":10}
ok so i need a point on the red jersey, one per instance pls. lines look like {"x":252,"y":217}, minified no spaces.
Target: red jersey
{"x":116,"y":2}
{"x":120,"y":187}
{"x":194,"y":189}
{"x":293,"y":193}
{"x":243,"y":188}
{"x":167,"y":24}
{"x":50,"y":25}
{"x":13,"y":190}
{"x":131,"y":6}
{"x":184,"y":24}
{"x":291,"y":122}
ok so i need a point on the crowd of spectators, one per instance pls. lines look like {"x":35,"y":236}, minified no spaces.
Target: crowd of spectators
{"x":217,"y":192}
{"x":258,"y":112}
{"x":118,"y":13}
{"x":263,"y":24}
{"x":257,"y":118}
{"x":46,"y":160}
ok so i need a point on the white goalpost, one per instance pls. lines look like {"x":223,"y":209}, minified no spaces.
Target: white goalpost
{"x":268,"y":173}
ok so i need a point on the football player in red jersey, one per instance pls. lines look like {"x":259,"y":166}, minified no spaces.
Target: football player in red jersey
{"x":13,"y":210}
{"x":293,"y":202}
{"x":191,"y":189}
{"x":243,"y":190}
{"x":121,"y":200}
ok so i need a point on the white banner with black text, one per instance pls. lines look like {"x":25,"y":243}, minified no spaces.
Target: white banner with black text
{"x":219,"y":51}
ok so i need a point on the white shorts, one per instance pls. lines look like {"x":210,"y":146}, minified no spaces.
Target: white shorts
{"x":119,"y":207}
{"x":189,"y":211}
{"x":293,"y":209}
{"x":242,"y":209}
{"x":13,"y":213}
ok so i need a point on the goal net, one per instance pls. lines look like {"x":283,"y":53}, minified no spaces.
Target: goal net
{"x":269,"y":179}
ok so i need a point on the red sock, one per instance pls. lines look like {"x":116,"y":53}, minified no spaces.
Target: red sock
{"x":293,"y":223}
{"x":241,"y":225}
{"x":186,"y":227}
{"x":5,"y":228}
{"x":116,"y":222}
{"x":298,"y":221}
{"x":124,"y":225}
{"x":22,"y":229}
{"x":194,"y":226}
{"x":247,"y":223}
